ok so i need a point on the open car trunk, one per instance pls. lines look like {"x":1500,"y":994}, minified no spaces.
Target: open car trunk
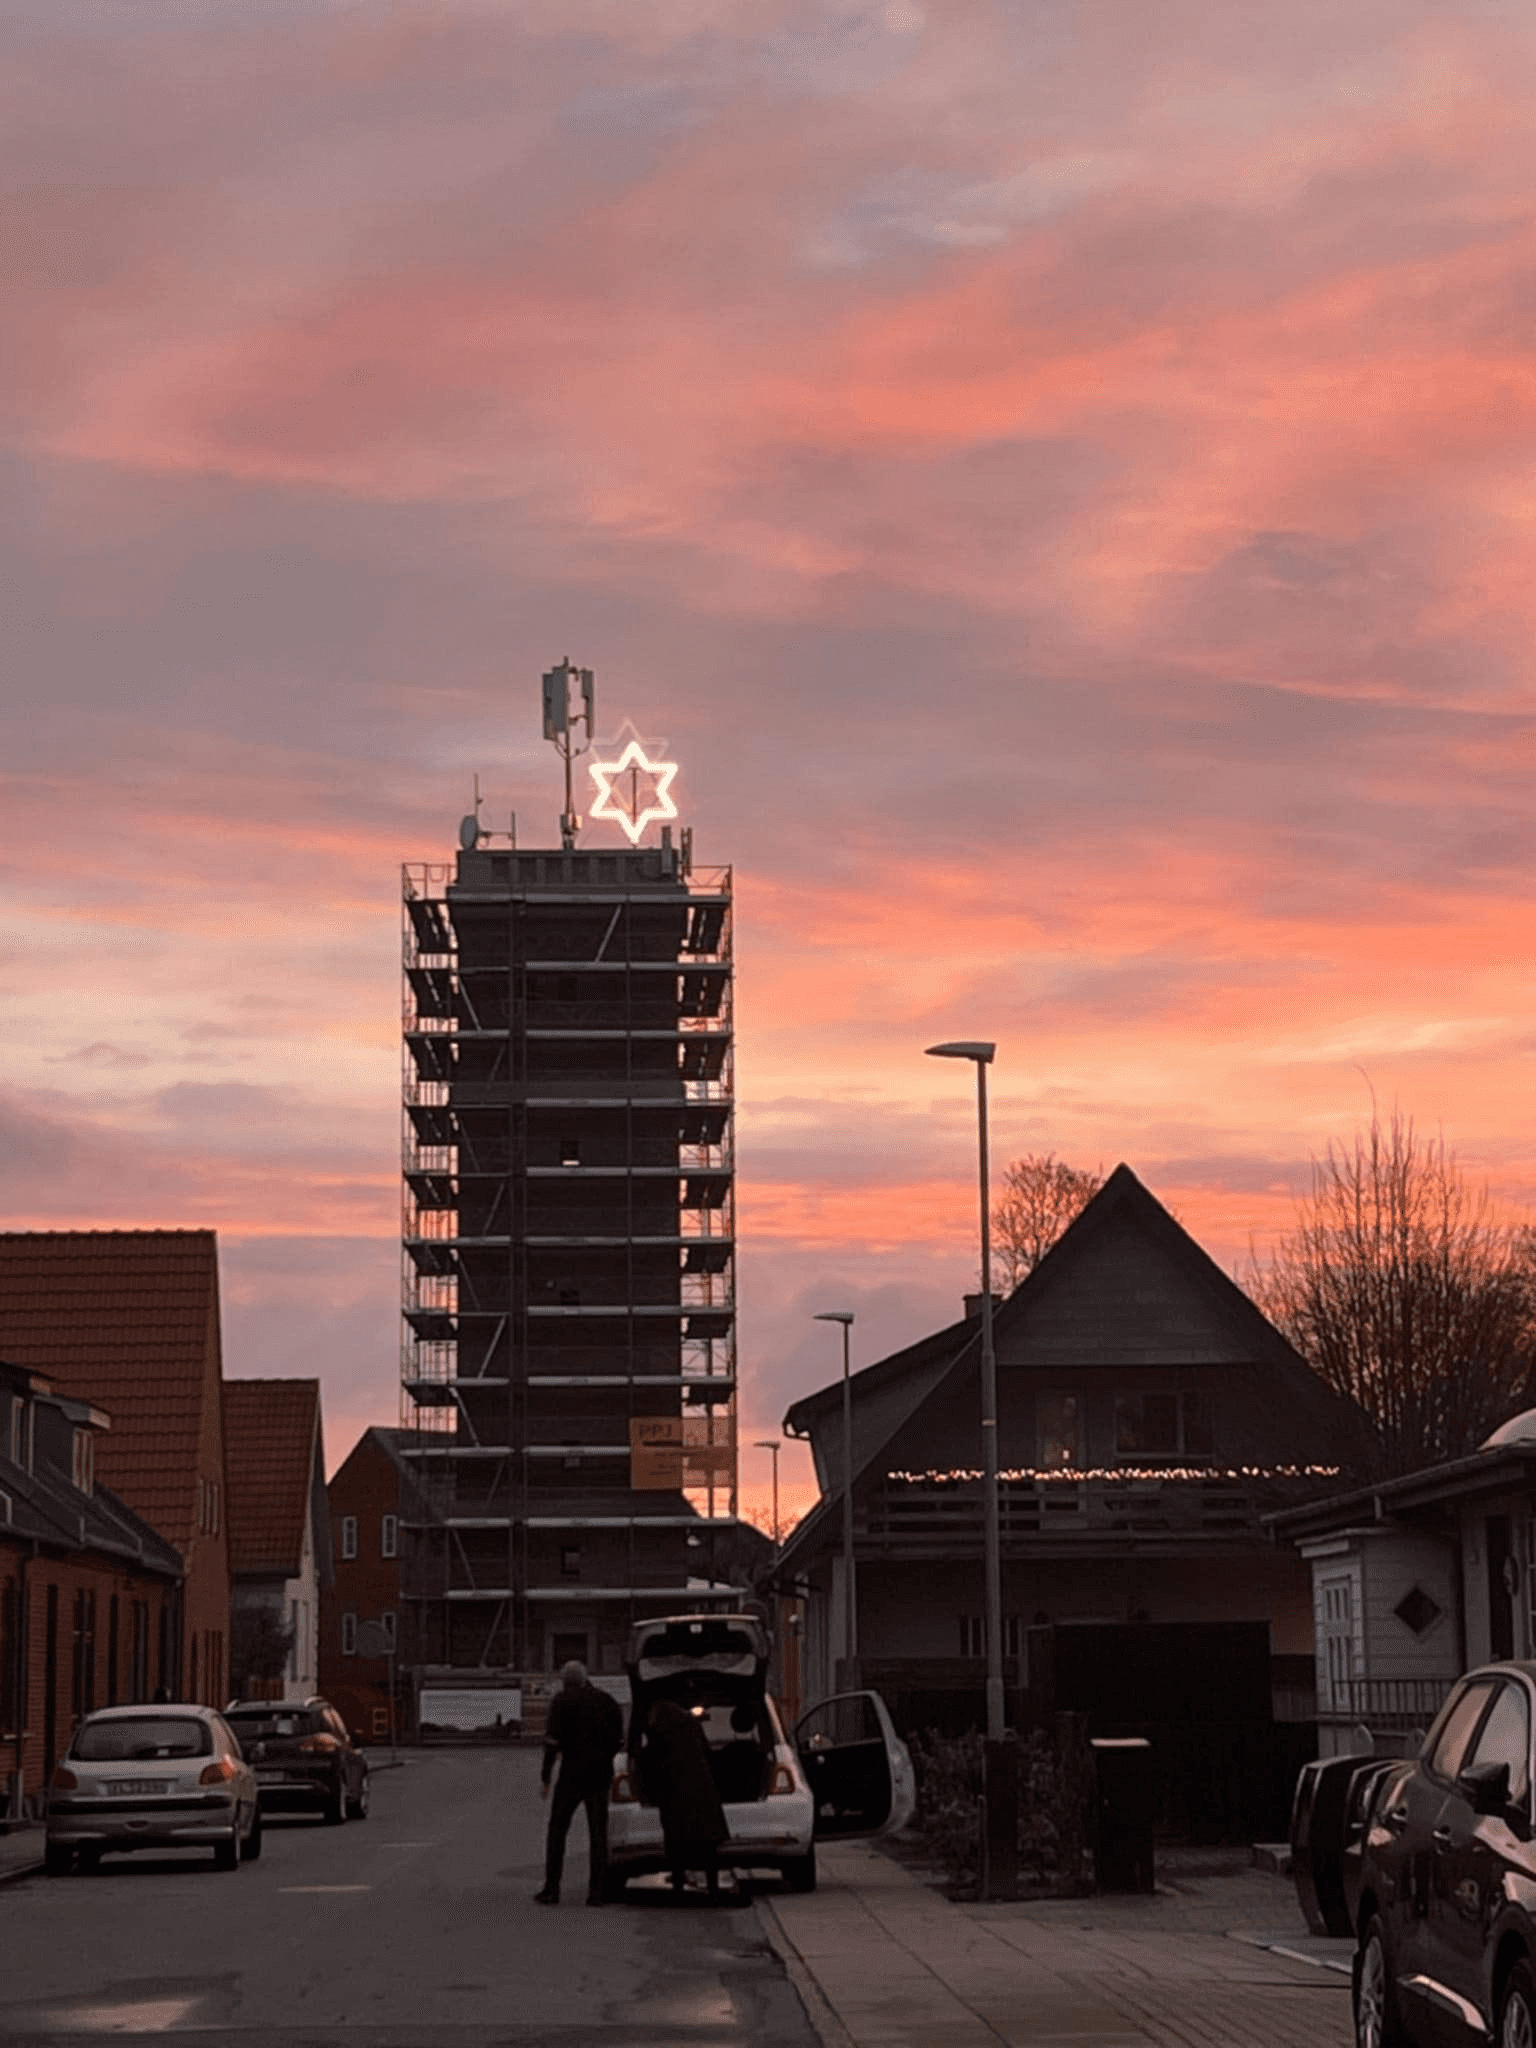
{"x":717,"y":1667}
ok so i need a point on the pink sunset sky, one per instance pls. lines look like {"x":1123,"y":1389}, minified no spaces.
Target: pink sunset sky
{"x":1061,"y":477}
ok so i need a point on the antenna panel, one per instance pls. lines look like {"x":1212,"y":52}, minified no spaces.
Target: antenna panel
{"x":557,"y":701}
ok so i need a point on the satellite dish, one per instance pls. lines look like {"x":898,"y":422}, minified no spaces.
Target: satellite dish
{"x":469,"y":833}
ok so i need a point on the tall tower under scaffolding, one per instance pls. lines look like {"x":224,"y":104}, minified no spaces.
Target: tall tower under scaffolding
{"x":569,"y":1355}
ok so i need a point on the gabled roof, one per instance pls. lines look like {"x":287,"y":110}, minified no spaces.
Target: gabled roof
{"x":128,"y":1320}
{"x":271,"y":1450}
{"x":889,"y":1393}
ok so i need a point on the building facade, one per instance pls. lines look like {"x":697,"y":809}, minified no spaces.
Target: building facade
{"x":569,"y":1368}
{"x":1148,"y":1417}
{"x":128,"y":1320}
{"x":1414,"y":1580}
{"x":279,"y":1535}
{"x":375,"y":1513}
{"x":90,"y":1595}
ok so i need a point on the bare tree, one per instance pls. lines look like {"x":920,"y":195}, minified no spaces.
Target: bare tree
{"x":1041,"y":1195}
{"x":1405,"y":1292}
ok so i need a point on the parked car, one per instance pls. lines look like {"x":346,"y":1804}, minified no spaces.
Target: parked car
{"x":152,"y":1777}
{"x":1328,"y":1839}
{"x":304,"y":1758}
{"x":1446,"y":1919}
{"x":845,"y":1773}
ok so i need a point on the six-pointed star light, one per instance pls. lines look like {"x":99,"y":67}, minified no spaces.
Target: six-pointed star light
{"x":633,"y":790}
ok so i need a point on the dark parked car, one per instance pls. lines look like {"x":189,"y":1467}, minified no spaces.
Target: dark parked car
{"x":1446,"y":1918}
{"x":303,"y":1756}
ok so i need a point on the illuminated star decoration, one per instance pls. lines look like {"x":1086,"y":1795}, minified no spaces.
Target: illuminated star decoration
{"x":633,"y":790}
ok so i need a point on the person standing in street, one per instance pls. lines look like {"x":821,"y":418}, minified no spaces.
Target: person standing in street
{"x":678,"y":1776}
{"x":584,"y":1730}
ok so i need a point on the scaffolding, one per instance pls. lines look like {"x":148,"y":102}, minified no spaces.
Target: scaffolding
{"x":568,"y":1358}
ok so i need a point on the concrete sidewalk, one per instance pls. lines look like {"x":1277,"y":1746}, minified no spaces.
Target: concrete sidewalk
{"x":884,"y":1961}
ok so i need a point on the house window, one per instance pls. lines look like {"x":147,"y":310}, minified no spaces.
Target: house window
{"x":380,"y":1722}
{"x":1060,"y":1446}
{"x":208,"y":1506}
{"x":973,"y":1636}
{"x":387,"y":1623}
{"x":1163,"y":1426}
{"x":83,"y":1461}
{"x":570,"y":1149}
{"x":1336,"y":1640}
{"x":349,"y":1635}
{"x":570,"y":1562}
{"x":349,"y":1536}
{"x":389,"y":1535}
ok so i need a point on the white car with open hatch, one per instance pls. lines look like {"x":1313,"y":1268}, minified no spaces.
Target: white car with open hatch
{"x":844,"y":1773}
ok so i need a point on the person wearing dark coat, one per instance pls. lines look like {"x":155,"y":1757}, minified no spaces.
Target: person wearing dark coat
{"x":676,"y":1773}
{"x":584,"y":1729}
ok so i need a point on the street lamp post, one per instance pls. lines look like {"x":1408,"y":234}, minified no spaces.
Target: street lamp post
{"x":850,"y":1605}
{"x":771,"y":1443}
{"x":979,"y":1051}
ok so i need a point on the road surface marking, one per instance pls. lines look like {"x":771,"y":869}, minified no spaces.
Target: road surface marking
{"x":325,"y":1888}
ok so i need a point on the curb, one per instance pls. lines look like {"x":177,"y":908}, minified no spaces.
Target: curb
{"x":830,"y":2029}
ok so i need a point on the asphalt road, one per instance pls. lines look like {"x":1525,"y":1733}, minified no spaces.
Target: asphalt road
{"x":413,"y":1929}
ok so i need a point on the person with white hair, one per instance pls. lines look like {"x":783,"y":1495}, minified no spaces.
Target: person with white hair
{"x":583,"y":1732}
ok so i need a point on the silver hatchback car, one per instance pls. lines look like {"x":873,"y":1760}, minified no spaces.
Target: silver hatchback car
{"x":152,"y":1777}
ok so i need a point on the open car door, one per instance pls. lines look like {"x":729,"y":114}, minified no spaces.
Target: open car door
{"x":857,"y":1767}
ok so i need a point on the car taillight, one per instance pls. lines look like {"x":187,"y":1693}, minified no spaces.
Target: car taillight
{"x":219,"y":1773}
{"x":622,"y":1791}
{"x":783,"y":1780}
{"x":64,"y":1781}
{"x":317,"y":1743}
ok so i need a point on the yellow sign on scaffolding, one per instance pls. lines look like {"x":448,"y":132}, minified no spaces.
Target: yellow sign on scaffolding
{"x":669,"y":1452}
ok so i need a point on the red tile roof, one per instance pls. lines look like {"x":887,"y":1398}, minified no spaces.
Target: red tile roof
{"x":271,"y":1435}
{"x":128,"y":1320}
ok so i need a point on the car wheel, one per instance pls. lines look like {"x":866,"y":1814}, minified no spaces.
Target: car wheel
{"x":58,"y":1861}
{"x":88,"y":1860}
{"x":1517,"y":2009}
{"x":615,"y":1885}
{"x":1376,"y":2022}
{"x":226,"y":1855}
{"x":252,"y":1847}
{"x":800,"y":1872}
{"x":357,"y":1809}
{"x":334,"y":1811}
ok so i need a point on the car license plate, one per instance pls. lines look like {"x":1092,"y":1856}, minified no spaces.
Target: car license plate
{"x":269,"y":1777}
{"x":134,"y":1788}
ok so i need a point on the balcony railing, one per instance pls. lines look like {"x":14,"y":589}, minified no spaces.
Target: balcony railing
{"x":1385,"y":1702}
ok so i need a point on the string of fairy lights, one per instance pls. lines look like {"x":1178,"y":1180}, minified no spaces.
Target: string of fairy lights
{"x":1118,"y":1475}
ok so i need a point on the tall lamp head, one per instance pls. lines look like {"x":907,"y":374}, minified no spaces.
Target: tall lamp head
{"x":979,"y":1049}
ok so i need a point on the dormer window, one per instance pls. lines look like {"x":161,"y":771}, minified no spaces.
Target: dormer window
{"x":1162,"y":1427}
{"x":83,"y":1461}
{"x":18,"y":1437}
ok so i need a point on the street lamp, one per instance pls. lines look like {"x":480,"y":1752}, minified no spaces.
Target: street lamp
{"x":981,"y":1052}
{"x":850,"y":1608}
{"x":771,"y":1443}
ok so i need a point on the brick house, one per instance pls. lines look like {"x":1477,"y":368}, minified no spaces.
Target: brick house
{"x":128,"y":1321}
{"x":374,"y":1509}
{"x":89,"y":1594}
{"x":279,"y":1533}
